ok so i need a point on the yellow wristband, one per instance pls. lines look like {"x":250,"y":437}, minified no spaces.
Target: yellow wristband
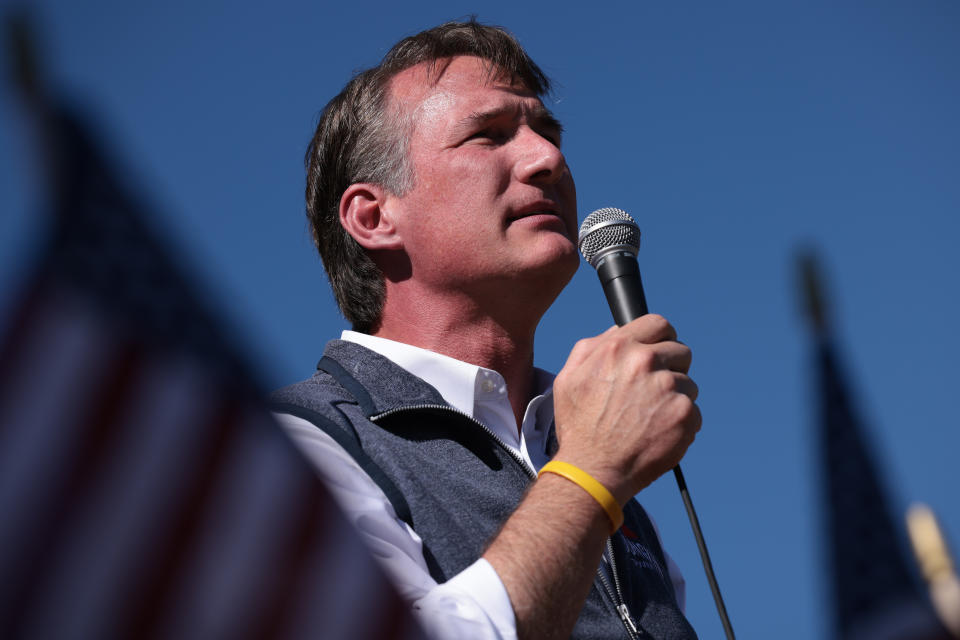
{"x":586,"y":482}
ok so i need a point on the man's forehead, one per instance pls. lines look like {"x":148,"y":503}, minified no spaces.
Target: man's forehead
{"x":460,"y":73}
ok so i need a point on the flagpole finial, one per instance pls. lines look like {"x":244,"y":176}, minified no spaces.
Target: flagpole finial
{"x":23,"y":54}
{"x":936,"y":564}
{"x":813,"y":298}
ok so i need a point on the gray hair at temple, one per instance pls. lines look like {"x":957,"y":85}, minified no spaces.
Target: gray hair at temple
{"x":362,"y":137}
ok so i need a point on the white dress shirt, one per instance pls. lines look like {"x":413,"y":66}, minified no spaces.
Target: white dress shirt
{"x":474,"y":603}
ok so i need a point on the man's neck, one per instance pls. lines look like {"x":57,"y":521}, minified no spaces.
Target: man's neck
{"x":479,"y":340}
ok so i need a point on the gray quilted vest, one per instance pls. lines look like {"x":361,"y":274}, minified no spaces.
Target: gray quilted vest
{"x":455,"y":484}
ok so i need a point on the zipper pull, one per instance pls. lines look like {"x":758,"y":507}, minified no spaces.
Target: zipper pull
{"x":627,"y":620}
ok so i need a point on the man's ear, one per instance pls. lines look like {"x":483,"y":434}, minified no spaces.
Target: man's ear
{"x":365,"y":216}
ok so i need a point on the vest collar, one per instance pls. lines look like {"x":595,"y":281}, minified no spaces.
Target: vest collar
{"x":377,"y":384}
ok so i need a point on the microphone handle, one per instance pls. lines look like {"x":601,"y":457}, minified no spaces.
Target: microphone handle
{"x":619,"y":274}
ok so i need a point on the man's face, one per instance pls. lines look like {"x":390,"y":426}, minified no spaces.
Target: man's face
{"x":493,"y":201}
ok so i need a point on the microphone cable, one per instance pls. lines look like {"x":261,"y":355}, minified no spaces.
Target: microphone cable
{"x":609,"y":240}
{"x":704,"y":554}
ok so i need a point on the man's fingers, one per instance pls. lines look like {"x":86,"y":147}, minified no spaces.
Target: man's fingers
{"x":684,"y":384}
{"x":673,"y":356}
{"x":672,"y":382}
{"x":585,"y":345}
{"x":650,"y":329}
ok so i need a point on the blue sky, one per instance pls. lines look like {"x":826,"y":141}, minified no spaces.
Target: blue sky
{"x":735,"y":133}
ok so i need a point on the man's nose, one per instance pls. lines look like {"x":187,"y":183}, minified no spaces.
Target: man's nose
{"x":539,"y":159}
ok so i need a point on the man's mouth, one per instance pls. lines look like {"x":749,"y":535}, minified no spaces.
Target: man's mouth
{"x":539,"y":212}
{"x":536,"y":209}
{"x":545,"y":216}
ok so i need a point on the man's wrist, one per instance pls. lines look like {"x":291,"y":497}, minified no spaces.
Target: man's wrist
{"x":590,"y":485}
{"x":615,"y":479}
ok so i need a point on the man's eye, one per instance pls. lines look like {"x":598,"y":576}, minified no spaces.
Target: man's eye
{"x":488,"y":135}
{"x":551,"y":136}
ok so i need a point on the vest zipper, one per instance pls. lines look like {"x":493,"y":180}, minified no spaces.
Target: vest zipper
{"x":418,"y":407}
{"x":615,"y":594}
{"x":622,"y":606}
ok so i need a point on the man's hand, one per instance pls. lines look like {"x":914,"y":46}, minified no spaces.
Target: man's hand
{"x":625,"y":414}
{"x":624,"y":406}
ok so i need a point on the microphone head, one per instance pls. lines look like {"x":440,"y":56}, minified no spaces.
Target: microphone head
{"x":607,"y":230}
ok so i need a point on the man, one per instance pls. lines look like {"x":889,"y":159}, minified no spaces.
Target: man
{"x":445,"y":214}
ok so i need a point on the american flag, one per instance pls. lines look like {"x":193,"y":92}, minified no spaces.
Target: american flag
{"x":145,"y":491}
{"x":875,"y":591}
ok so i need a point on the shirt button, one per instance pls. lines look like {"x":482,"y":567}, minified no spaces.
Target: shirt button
{"x":487,"y":386}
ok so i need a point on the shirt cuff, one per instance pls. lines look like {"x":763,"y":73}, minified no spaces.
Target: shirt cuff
{"x":476,"y":598}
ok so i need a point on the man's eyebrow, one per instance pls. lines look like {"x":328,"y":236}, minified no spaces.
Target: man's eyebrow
{"x":541,"y":116}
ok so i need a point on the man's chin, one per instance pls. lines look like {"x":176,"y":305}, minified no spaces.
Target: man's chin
{"x":558,"y":264}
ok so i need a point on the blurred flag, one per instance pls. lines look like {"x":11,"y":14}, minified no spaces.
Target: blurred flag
{"x":145,"y":492}
{"x":875,"y":593}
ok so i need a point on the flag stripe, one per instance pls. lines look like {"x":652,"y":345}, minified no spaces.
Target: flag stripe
{"x":343,"y":593}
{"x":305,"y":530}
{"x":159,"y":582}
{"x":237,"y":547}
{"x":33,"y":561}
{"x":25,"y":313}
{"x":65,"y":354}
{"x":110,"y":541}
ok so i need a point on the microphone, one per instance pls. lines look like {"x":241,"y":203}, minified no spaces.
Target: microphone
{"x":609,"y":240}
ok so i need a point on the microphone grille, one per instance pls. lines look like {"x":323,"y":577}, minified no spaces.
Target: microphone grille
{"x":605,"y":229}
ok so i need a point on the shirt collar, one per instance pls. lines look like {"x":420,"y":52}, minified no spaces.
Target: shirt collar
{"x":478,"y":392}
{"x":453,"y":379}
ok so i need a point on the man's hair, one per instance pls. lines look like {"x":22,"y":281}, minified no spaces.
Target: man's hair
{"x":361,"y":137}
